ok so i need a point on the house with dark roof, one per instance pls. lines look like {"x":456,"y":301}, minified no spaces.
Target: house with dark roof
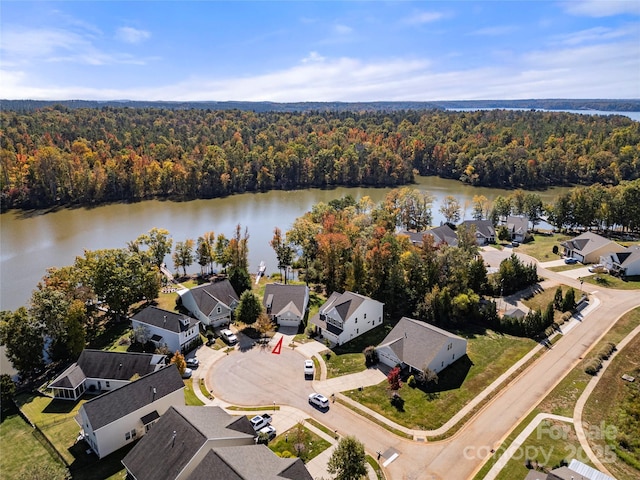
{"x":172,"y":330}
{"x":211,"y":303}
{"x":418,"y":345}
{"x":576,"y":470}
{"x":347,"y":315}
{"x":98,"y":371}
{"x":206,"y":443}
{"x":589,"y":247}
{"x":121,"y":416}
{"x":286,"y":304}
{"x":443,"y":235}
{"x":518,"y":227}
{"x":625,"y":263}
{"x":485,"y":232}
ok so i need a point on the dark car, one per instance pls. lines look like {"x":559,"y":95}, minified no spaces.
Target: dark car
{"x":570,"y":260}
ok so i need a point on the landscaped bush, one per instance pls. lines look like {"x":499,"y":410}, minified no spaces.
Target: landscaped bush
{"x":411,"y":381}
{"x":370,"y":356}
{"x":566,"y":316}
{"x":593,"y":366}
{"x":606,"y":351}
{"x":397,"y":401}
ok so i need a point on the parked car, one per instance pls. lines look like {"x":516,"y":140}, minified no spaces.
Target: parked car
{"x":597,"y":268}
{"x":260,"y":421}
{"x":187,"y":373}
{"x":570,"y":260}
{"x":319,"y":401}
{"x":192,"y":362}
{"x":309,"y":369}
{"x":228,"y":336}
{"x":269,"y":431}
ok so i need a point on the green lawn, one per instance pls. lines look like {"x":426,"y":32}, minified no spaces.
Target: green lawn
{"x":564,"y":268}
{"x":542,"y":247}
{"x":609,"y":281}
{"x":190,"y":397}
{"x":298,"y":441}
{"x":338,"y":365}
{"x":489,"y":355}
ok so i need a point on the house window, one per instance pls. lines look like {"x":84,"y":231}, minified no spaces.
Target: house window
{"x":219,"y":309}
{"x":133,"y":434}
{"x":453,"y":357}
{"x":127,"y":436}
{"x":442,"y":364}
{"x":357,"y":331}
{"x":356,"y":319}
{"x":108,"y":384}
{"x":365,"y":316}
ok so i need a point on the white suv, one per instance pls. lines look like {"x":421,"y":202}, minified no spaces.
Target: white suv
{"x":319,"y":401}
{"x":309,"y":369}
{"x":228,"y":336}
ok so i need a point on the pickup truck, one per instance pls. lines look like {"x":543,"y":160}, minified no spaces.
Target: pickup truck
{"x":260,"y":421}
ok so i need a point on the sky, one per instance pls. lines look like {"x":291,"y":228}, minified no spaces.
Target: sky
{"x":290,"y":51}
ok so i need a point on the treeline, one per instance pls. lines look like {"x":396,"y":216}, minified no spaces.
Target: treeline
{"x":61,"y":156}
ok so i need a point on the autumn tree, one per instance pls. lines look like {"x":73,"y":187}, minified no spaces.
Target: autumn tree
{"x":204,"y":254}
{"x":393,"y":377}
{"x":283,"y":250}
{"x":183,"y":255}
{"x":158,"y":242}
{"x":480,"y":207}
{"x":450,"y":209}
{"x":179,"y":361}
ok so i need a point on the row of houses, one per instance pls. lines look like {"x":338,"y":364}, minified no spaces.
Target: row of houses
{"x":590,"y":247}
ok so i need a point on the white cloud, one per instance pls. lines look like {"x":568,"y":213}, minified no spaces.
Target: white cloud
{"x":420,"y":18}
{"x":495,"y":31}
{"x":132,"y":35}
{"x":342,"y":29}
{"x":602,"y":8}
{"x":313,"y":57}
{"x":598,"y":34}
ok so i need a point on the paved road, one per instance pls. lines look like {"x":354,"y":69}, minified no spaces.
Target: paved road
{"x":258,"y":377}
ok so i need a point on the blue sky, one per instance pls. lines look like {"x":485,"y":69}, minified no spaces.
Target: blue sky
{"x":319,"y":51}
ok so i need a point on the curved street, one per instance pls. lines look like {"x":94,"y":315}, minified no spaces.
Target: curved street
{"x":252,"y":375}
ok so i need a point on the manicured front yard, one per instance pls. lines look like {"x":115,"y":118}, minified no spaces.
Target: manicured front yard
{"x":609,"y":281}
{"x":190,"y":397}
{"x":542,"y":247}
{"x":489,"y":355}
{"x":298,"y":441}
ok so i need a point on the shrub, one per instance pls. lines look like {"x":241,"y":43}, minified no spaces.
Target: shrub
{"x":370,"y":356}
{"x":606,"y":351}
{"x":411,"y":381}
{"x":394,"y":379}
{"x":593,"y":366}
{"x":397,"y":401}
{"x":566,"y":316}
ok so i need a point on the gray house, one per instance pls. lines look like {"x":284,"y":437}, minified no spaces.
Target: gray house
{"x":286,"y":304}
{"x":485,"y":232}
{"x":441,"y":235}
{"x":198,"y":443}
{"x":518,"y":227}
{"x":165,"y":329}
{"x":211,"y":303}
{"x":418,"y":345}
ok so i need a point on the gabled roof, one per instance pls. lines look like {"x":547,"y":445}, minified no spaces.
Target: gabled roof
{"x":517,"y":225}
{"x":160,"y":318}
{"x":484,"y":228}
{"x":628,"y":256}
{"x":285,"y":298}
{"x":105,"y":365}
{"x":207,"y":296}
{"x":345,"y":303}
{"x":417,"y":343}
{"x":586,"y":243}
{"x":515,"y":312}
{"x":115,"y":404}
{"x":178,"y":438}
{"x":444,"y":234}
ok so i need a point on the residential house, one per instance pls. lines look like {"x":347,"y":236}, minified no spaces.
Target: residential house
{"x":485,"y":233}
{"x":518,"y":227}
{"x":117,"y":418}
{"x":515,"y":312}
{"x":589,"y":247}
{"x":441,"y":235}
{"x":418,"y":345}
{"x":347,"y":315}
{"x":172,"y":330}
{"x":286,"y":304}
{"x":98,"y":371}
{"x":198,"y":443}
{"x":211,"y":303}
{"x":576,"y":470}
{"x":625,"y":263}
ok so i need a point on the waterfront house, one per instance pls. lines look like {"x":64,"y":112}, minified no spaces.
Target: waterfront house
{"x":485,"y":233}
{"x":172,"y":330}
{"x":443,"y":235}
{"x":347,"y":315}
{"x":286,"y":305}
{"x":121,"y":416}
{"x":518,"y":227}
{"x":589,"y":247}
{"x":212,"y":303}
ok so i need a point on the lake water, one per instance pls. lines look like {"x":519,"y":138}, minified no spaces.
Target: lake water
{"x":33,"y":241}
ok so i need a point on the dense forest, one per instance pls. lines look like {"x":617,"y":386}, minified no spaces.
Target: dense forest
{"x":63,"y":156}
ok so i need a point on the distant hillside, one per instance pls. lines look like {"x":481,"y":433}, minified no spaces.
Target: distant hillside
{"x":630,"y":105}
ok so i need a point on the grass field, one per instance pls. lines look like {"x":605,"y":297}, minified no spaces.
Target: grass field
{"x":609,"y":281}
{"x":489,"y":355}
{"x":300,"y":442}
{"x":190,"y":397}
{"x":542,"y":247}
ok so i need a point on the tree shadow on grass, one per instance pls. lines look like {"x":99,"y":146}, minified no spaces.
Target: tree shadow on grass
{"x":451,"y":378}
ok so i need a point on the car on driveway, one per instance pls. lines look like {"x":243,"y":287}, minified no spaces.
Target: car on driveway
{"x":597,"y":268}
{"x":192,"y":362}
{"x":570,"y":261}
{"x":187,"y":373}
{"x":319,"y":401}
{"x":309,"y":369}
{"x":269,"y":431}
{"x":228,"y":336}
{"x":260,"y":421}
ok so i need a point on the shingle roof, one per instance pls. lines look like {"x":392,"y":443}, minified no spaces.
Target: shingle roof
{"x":285,"y":298}
{"x":107,"y":365}
{"x":517,"y":225}
{"x":115,"y":404}
{"x":208,"y":295}
{"x":484,"y":228}
{"x":442,"y":234}
{"x":586,"y":243}
{"x":628,"y":256}
{"x":417,"y":343}
{"x":161,"y":456}
{"x":160,"y":318}
{"x":345,"y":303}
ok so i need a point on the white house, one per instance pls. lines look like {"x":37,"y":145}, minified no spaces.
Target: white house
{"x":121,"y":416}
{"x":416,"y":345}
{"x":484,"y":231}
{"x":347,"y":315}
{"x":211,"y":303}
{"x":99,"y":371}
{"x":625,"y":263}
{"x":518,"y":227}
{"x":194,"y":443}
{"x":168,"y":329}
{"x":286,"y":304}
{"x":589,"y":247}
